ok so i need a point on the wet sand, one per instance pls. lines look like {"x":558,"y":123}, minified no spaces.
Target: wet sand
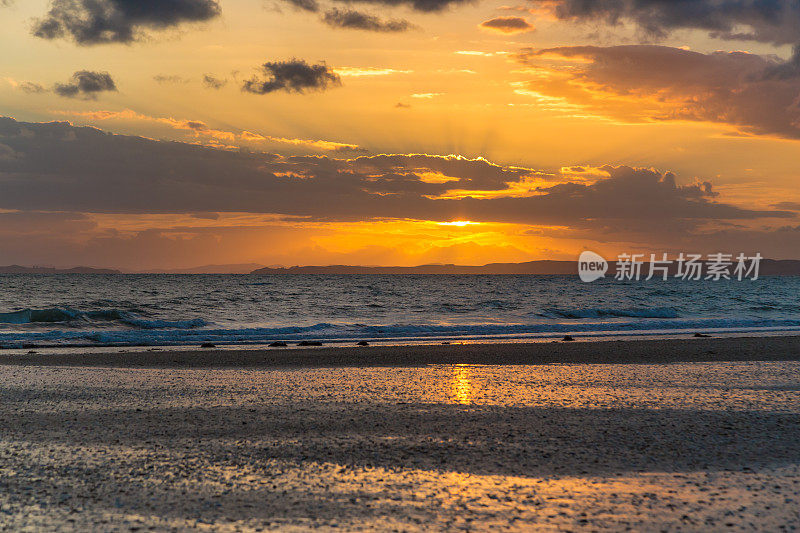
{"x":785,"y":348}
{"x":691,"y":446}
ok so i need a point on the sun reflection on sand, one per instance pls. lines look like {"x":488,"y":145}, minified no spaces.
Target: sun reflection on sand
{"x":461,"y":386}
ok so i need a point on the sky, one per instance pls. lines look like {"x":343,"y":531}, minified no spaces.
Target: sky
{"x":167,"y":134}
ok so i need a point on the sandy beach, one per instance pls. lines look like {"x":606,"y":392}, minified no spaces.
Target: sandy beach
{"x":690,"y":435}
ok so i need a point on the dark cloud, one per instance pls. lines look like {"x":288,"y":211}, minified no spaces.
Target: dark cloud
{"x":86,"y":84}
{"x":756,"y":94}
{"x":293,"y":76}
{"x":31,"y":222}
{"x":169,"y":78}
{"x":426,"y":6}
{"x":508,"y":25}
{"x":196,"y":125}
{"x":305,"y":5}
{"x":59,"y":167}
{"x":212,"y":82}
{"x":206,"y":216}
{"x":786,"y":70}
{"x":769,"y":21}
{"x":789,"y":206}
{"x":6,"y":152}
{"x":351,"y":19}
{"x":90,"y":22}
{"x":31,"y":87}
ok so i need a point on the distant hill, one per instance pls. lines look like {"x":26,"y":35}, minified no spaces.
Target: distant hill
{"x":768,"y":267}
{"x":243,"y":268}
{"x":17,"y":269}
{"x":531,"y":267}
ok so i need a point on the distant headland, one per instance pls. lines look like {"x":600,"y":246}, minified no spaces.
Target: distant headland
{"x":768,"y":267}
{"x":17,"y":269}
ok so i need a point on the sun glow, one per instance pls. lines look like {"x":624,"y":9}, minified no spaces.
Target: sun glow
{"x":459,"y":223}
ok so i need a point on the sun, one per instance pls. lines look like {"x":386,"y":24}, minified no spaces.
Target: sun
{"x":459,"y":223}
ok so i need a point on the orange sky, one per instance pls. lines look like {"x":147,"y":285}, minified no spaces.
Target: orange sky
{"x":552,"y":128}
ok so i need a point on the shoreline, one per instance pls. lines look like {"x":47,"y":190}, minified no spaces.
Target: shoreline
{"x":658,"y":351}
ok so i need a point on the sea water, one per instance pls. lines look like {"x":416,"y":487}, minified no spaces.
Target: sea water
{"x":186,"y":310}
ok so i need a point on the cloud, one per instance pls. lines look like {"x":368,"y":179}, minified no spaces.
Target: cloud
{"x":32,"y":222}
{"x":214,"y":137}
{"x":426,"y":96}
{"x":507,"y":25}
{"x":90,"y":22}
{"x":425,"y":6}
{"x":212,"y":82}
{"x":206,"y":216}
{"x":789,"y":206}
{"x":169,"y":78}
{"x":455,"y":71}
{"x":356,"y":20}
{"x":478,"y":53}
{"x":31,"y":87}
{"x":59,"y":167}
{"x":768,"y":21}
{"x":784,"y":70}
{"x":86,"y":84}
{"x":349,"y":18}
{"x":79,"y":195}
{"x":26,"y":86}
{"x":359,"y":72}
{"x":304,"y":5}
{"x":758,"y":95}
{"x":7,"y":153}
{"x":293,"y":76}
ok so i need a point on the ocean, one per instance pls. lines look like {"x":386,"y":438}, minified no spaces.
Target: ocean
{"x":74,"y":310}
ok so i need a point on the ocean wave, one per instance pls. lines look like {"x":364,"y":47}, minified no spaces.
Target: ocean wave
{"x":396,"y":332}
{"x":636,"y":312}
{"x":78,"y":318}
{"x":164,"y":324}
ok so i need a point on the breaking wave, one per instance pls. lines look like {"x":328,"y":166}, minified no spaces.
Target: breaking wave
{"x":333,"y":333}
{"x":98,"y":317}
{"x":637,"y":312}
